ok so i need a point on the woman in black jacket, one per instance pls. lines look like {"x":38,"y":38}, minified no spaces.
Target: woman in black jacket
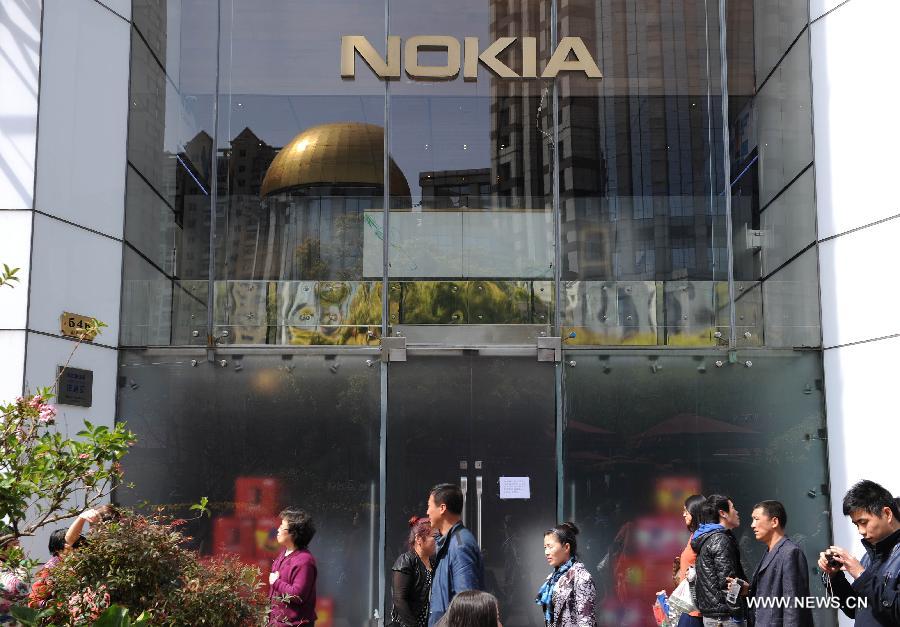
{"x":412,"y":576}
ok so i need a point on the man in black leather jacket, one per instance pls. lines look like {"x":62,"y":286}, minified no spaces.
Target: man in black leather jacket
{"x":718,"y":558}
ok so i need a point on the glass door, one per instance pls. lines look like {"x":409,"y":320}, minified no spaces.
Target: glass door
{"x":488,"y":425}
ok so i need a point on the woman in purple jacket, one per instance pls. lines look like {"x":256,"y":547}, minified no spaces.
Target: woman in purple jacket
{"x":292,"y":583}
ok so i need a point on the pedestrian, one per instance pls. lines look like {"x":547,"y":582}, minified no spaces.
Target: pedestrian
{"x":873,"y":598}
{"x":94,"y":516}
{"x":691,"y":515}
{"x":568,"y":595}
{"x":458,"y":562}
{"x":292,"y":582}
{"x":718,"y":558}
{"x":783,"y":572}
{"x":412,"y":576}
{"x":472,"y":608}
{"x":13,"y":587}
{"x":58,"y":548}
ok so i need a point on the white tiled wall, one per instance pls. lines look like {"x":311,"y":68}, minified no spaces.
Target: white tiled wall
{"x":77,"y":271}
{"x":861,"y":400}
{"x":854,"y":101}
{"x":15,"y":251}
{"x":45,"y":354}
{"x":122,"y":7}
{"x":83,"y":115}
{"x":20,"y":41}
{"x":855,"y":95}
{"x":860,"y":299}
{"x":12,"y":346}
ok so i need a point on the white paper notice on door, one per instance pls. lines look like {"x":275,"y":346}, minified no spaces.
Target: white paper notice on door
{"x":515,"y":488}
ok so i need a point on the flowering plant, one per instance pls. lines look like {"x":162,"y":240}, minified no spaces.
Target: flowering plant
{"x":46,"y":476}
{"x":140,"y":564}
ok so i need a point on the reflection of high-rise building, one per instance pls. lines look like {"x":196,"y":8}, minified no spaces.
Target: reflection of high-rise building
{"x":520,"y":169}
{"x":638,"y":149}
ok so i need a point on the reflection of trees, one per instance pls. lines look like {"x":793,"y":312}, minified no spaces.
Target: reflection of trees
{"x":477,"y":302}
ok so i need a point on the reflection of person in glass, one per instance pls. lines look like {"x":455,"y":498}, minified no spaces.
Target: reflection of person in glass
{"x":567,"y":596}
{"x":292,"y":582}
{"x":412,"y":576}
{"x":691,"y":514}
{"x":472,"y":608}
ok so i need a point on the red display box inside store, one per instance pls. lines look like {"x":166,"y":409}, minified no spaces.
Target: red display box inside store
{"x":256,"y":497}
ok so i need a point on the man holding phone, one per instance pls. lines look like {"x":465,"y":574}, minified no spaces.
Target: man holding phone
{"x":873,"y":597}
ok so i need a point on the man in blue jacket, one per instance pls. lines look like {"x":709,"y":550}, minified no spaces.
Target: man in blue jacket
{"x":459,"y":565}
{"x":873,"y":598}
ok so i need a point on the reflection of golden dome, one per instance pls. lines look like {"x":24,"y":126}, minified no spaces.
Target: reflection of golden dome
{"x":342,"y":153}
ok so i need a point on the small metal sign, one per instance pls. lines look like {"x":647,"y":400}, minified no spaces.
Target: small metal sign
{"x":76,"y":325}
{"x":75,"y":386}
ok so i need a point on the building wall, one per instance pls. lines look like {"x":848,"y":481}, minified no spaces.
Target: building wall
{"x":854,"y":103}
{"x":63,"y":121}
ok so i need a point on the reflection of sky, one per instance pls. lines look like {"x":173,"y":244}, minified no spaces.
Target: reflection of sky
{"x":280,"y":75}
{"x":293,"y":48}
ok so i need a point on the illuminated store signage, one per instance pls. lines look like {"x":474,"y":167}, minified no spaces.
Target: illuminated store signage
{"x":468,"y":56}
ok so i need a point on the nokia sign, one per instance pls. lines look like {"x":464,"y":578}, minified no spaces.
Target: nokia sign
{"x":468,"y":55}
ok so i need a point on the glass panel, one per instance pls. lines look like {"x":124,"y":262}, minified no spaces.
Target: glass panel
{"x":259,"y":434}
{"x":776,"y":24}
{"x":471,"y":241}
{"x":640,"y":169}
{"x":146,"y":303}
{"x":167,"y":203}
{"x":788,"y":224}
{"x":472,"y":420}
{"x":300,"y":173}
{"x":791,"y":303}
{"x":646,"y":430}
{"x":772,"y":179}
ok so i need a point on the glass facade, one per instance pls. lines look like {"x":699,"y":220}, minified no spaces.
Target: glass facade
{"x":282,"y":220}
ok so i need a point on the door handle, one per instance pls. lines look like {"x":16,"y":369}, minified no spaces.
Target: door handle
{"x":479,"y":488}
{"x":464,"y":486}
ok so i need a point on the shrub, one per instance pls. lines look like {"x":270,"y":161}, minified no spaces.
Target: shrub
{"x":140,"y":563}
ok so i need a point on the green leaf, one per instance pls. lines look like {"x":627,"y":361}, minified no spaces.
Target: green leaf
{"x":114,"y":616}
{"x":25,"y":615}
{"x":201,"y":506}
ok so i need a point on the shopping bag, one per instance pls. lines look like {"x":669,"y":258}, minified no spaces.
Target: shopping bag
{"x":681,"y":599}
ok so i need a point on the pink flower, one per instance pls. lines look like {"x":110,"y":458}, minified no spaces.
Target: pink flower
{"x":48,"y":412}
{"x":84,"y":456}
{"x":36,"y":401}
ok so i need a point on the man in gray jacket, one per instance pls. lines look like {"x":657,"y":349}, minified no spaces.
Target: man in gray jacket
{"x":459,"y":565}
{"x":782,"y":578}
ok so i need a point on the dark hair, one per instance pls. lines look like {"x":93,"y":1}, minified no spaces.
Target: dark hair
{"x":300,"y":526}
{"x":565,"y":533}
{"x":471,"y":608}
{"x":108,"y":512}
{"x":450,"y":495}
{"x":870,"y":497}
{"x":773,"y":509}
{"x":57,"y":542}
{"x":694,"y":506}
{"x":418,"y":528}
{"x":718,"y":503}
